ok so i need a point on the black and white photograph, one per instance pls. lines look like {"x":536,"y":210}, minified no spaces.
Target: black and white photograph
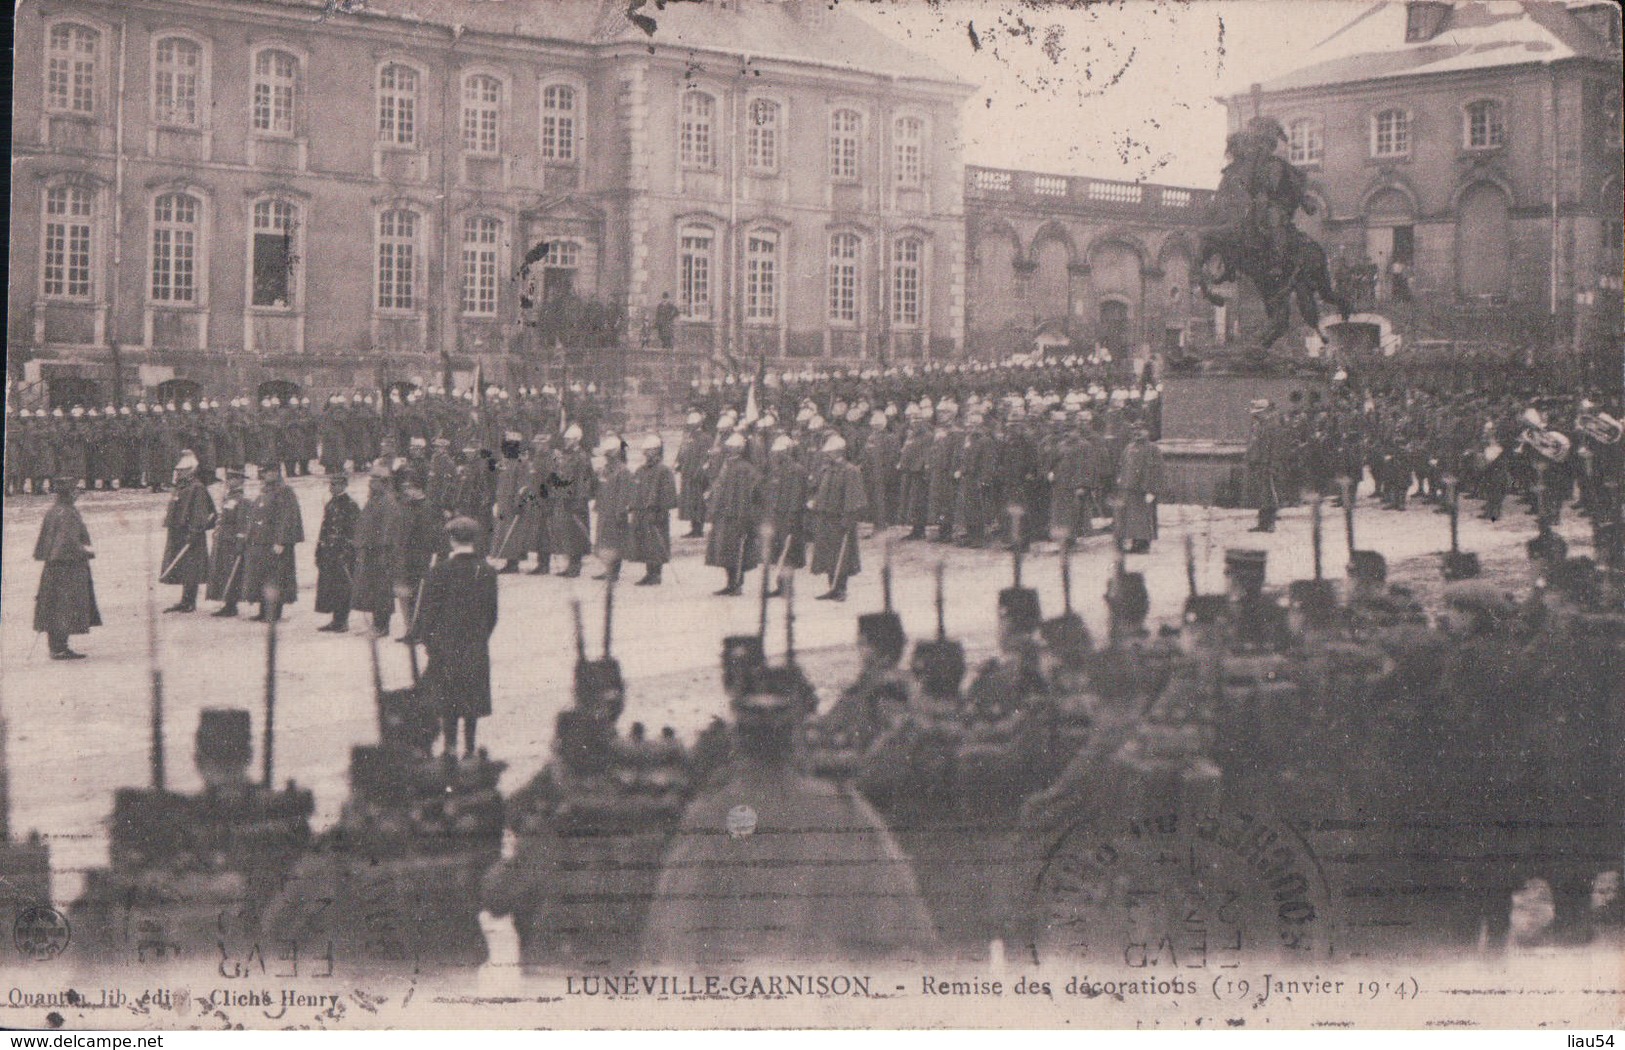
{"x":785,"y":514}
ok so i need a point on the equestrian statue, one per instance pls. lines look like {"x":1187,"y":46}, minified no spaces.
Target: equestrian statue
{"x":1252,"y":233}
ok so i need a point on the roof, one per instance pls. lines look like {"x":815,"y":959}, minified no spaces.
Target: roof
{"x":1481,"y":34}
{"x":790,"y":30}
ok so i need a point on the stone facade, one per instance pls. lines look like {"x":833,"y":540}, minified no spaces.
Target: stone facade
{"x":1470,"y":153}
{"x":336,"y":195}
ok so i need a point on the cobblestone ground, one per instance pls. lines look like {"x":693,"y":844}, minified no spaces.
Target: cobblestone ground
{"x":79,"y":730}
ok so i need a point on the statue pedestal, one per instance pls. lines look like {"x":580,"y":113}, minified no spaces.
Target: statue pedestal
{"x":1206,"y":420}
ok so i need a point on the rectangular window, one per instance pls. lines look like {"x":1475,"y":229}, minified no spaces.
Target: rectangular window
{"x":843,"y":278}
{"x":68,"y":213}
{"x":179,"y":65}
{"x":397,"y":105}
{"x":762,"y":152}
{"x":480,"y":238}
{"x":274,"y":228}
{"x":694,"y":274}
{"x":174,"y":249}
{"x":397,"y":255}
{"x":697,"y":147}
{"x":482,"y":107}
{"x":1392,"y":135}
{"x":70,"y":68}
{"x":762,"y":277}
{"x":845,"y":130}
{"x":559,"y":123}
{"x":1485,"y":129}
{"x":905,"y":296}
{"x":275,"y":90}
{"x":1304,"y":142}
{"x":910,"y":133}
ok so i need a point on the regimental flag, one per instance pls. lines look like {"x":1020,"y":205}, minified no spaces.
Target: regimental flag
{"x":753,"y":400}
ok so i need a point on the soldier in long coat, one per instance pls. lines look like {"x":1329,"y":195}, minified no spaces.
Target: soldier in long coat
{"x":614,"y":509}
{"x":1266,"y":462}
{"x":417,"y":544}
{"x":190,"y":516}
{"x":377,"y":527}
{"x":837,"y":505}
{"x":536,"y":514}
{"x":691,"y":456}
{"x":773,"y":894}
{"x":336,"y":554}
{"x":912,"y":461}
{"x":230,"y":535}
{"x":941,"y":483}
{"x":784,"y":499}
{"x":571,"y":491}
{"x":331,"y":429}
{"x":1139,"y":479}
{"x":275,"y":526}
{"x":509,"y":543}
{"x":66,"y":601}
{"x":735,"y":511}
{"x":654,"y":497}
{"x":454,"y":623}
{"x":879,"y":460}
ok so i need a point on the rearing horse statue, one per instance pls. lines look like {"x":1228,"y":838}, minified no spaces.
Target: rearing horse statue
{"x":1284,"y":265}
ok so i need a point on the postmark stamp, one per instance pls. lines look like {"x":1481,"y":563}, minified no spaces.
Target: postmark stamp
{"x":41,"y":933}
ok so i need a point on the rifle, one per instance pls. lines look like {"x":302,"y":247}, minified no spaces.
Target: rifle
{"x":155,"y":669}
{"x":885,"y":576}
{"x":1190,"y":564}
{"x":1066,"y":574}
{"x":789,"y":619}
{"x":767,"y":574}
{"x":581,"y":634}
{"x":1016,"y":513}
{"x":942,"y":605}
{"x":609,"y":614}
{"x":1454,"y":496}
{"x":377,"y":682}
{"x":273,"y":596}
{"x":1314,"y":534}
{"x":1348,"y":510}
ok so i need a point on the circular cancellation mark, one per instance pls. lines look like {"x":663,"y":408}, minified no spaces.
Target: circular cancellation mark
{"x":41,"y":933}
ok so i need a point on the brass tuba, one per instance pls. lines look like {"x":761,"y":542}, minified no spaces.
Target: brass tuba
{"x":1600,"y":427}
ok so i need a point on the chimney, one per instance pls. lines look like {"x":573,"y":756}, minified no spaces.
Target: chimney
{"x":1425,"y":19}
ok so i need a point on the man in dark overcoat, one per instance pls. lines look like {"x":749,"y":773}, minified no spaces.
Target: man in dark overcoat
{"x":1139,"y":479}
{"x":275,"y":526}
{"x":571,"y":491}
{"x":654,"y":497}
{"x":378,"y":526}
{"x":336,"y":554}
{"x":230,"y":533}
{"x":837,"y":505}
{"x":190,"y":516}
{"x":614,"y":508}
{"x":736,"y":512}
{"x":691,"y":465}
{"x":418,"y":542}
{"x":66,"y":602}
{"x":455,"y":620}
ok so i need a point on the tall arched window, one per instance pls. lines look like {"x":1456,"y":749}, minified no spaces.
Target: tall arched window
{"x":176,"y":247}
{"x":397,"y":259}
{"x":482,"y":239}
{"x":762,"y":276}
{"x":845,"y":250}
{"x":762,"y":138}
{"x":559,"y":122}
{"x":698,"y":142}
{"x":177,"y":81}
{"x":482,"y":113}
{"x":845,"y":136}
{"x":276,"y":227}
{"x":70,"y":68}
{"x":907,"y":279}
{"x":70,"y":213}
{"x":276,"y":92}
{"x":398,"y":105}
{"x":695,"y":259}
{"x":1482,"y":241}
{"x":1484,"y":127}
{"x":908,"y":140}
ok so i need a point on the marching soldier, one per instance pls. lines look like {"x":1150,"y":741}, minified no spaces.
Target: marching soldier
{"x":190,"y":516}
{"x":735,"y":511}
{"x":654,"y":496}
{"x":230,"y":536}
{"x":837,"y":505}
{"x":454,"y":623}
{"x":336,"y":554}
{"x":275,"y":526}
{"x":65,"y":604}
{"x":377,"y":536}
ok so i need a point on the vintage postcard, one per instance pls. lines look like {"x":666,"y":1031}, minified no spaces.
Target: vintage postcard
{"x":814,"y":513}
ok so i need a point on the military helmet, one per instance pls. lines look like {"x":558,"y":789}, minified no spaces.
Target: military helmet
{"x":1067,"y":638}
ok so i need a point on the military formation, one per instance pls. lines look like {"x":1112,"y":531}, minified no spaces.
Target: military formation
{"x":948,"y":778}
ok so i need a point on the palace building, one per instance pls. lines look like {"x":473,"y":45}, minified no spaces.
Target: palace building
{"x":1465,"y":160}
{"x":326,"y":191}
